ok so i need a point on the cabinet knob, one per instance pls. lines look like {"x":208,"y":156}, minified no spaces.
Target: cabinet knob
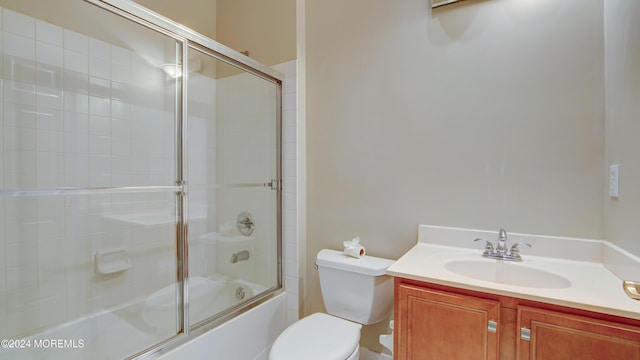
{"x":493,"y":326}
{"x":525,"y":334}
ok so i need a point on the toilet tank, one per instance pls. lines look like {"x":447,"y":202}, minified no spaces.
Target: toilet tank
{"x":355,"y":289}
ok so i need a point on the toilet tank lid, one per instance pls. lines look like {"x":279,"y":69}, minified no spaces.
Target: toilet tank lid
{"x":367,"y":265}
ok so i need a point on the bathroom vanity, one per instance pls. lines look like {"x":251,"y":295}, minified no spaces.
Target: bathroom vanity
{"x":452,"y":303}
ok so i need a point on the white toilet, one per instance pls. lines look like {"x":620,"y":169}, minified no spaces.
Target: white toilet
{"x":356,"y":292}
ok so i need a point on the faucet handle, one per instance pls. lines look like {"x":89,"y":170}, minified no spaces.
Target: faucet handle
{"x":515,"y":249}
{"x":487,"y":246}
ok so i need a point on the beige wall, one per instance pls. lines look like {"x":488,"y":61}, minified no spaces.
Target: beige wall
{"x":484,"y":114}
{"x":267,"y":29}
{"x":622,"y":69}
{"x":199,"y":15}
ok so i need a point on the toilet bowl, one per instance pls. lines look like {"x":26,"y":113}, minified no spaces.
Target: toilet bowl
{"x":318,"y":337}
{"x":356,"y":292}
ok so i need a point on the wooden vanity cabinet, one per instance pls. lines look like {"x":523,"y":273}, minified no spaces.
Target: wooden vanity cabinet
{"x":554,"y":335}
{"x":440,"y":322}
{"x":441,"y":325}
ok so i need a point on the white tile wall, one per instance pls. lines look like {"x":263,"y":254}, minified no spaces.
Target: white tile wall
{"x":242,"y":147}
{"x":79,"y":112}
{"x":4,"y":166}
{"x":290,"y":211}
{"x":245,"y":153}
{"x":68,"y":100}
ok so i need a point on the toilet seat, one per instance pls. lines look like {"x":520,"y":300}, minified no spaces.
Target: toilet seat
{"x":317,"y":337}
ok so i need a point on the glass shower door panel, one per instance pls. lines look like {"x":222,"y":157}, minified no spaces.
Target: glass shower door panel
{"x":233,"y":157}
{"x":87,"y":181}
{"x":82,"y":268}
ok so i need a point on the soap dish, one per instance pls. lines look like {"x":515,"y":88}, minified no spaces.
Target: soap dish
{"x":109,"y":262}
{"x":632,"y":289}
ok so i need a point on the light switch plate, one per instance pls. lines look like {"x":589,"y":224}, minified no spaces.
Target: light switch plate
{"x":614,"y":181}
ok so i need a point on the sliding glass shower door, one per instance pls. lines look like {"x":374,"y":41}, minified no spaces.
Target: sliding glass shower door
{"x":87,"y":194}
{"x":139,"y":181}
{"x":233,"y":171}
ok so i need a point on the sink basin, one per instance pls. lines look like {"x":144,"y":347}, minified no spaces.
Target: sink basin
{"x":509,"y":273}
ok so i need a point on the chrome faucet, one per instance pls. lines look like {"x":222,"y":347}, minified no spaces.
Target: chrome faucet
{"x":500,"y":252}
{"x":240,"y":256}
{"x":502,"y":242}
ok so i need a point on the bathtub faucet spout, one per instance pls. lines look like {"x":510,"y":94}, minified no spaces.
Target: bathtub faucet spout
{"x":240,"y":256}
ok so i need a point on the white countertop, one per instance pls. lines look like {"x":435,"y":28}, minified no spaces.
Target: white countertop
{"x":591,"y":286}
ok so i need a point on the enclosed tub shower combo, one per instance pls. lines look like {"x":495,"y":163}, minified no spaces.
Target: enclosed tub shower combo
{"x":140,"y":187}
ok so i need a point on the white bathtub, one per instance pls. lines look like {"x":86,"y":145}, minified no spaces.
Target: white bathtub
{"x":119,"y":333}
{"x":247,"y":337}
{"x":103,"y":335}
{"x":207,"y":297}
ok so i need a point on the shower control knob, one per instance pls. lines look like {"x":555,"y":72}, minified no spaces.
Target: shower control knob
{"x":245,"y":223}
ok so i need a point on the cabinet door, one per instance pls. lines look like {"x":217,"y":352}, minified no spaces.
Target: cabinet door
{"x":438,"y":325}
{"x":554,"y":335}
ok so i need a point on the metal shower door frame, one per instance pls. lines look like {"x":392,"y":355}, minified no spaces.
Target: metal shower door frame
{"x":191,"y":39}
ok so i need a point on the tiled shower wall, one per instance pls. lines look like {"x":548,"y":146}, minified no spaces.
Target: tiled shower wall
{"x":264,"y":323}
{"x":244,"y":139}
{"x":202,"y":122}
{"x":232,"y":143}
{"x":79,"y":112}
{"x":289,"y":172}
